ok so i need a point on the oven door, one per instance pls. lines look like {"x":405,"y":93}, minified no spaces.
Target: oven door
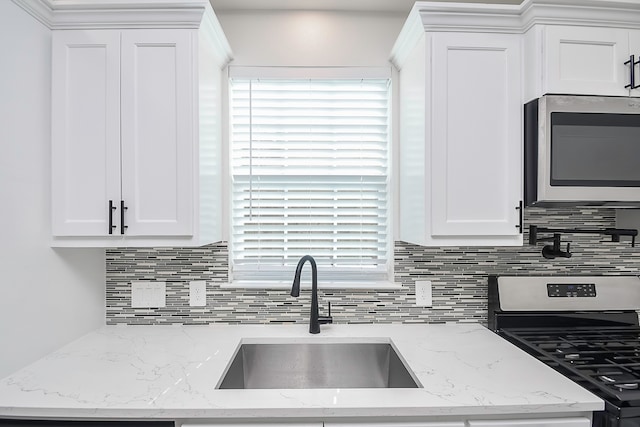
{"x":611,"y":419}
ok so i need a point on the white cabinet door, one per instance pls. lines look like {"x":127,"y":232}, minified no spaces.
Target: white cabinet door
{"x":476,"y":136}
{"x":85,"y":131}
{"x":549,"y":422}
{"x":586,"y":60}
{"x":634,"y":49}
{"x":158,"y":107}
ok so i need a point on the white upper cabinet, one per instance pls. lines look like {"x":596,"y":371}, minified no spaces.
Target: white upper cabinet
{"x":475,"y":135}
{"x":581,"y":48}
{"x":460,"y":137}
{"x":465,"y":71}
{"x":586,"y":61}
{"x":136,"y":135}
{"x":122,"y":135}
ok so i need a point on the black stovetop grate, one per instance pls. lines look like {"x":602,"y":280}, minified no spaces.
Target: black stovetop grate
{"x":607,"y":359}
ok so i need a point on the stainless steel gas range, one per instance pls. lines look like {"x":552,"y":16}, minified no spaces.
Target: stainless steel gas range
{"x":585,"y":327}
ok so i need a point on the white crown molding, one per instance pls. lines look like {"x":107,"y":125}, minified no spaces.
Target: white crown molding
{"x":212,"y":29}
{"x":458,"y":17}
{"x":85,"y":14}
{"x":470,"y":17}
{"x":409,"y":36}
{"x":122,"y":4}
{"x":598,"y":13}
{"x":498,"y":18}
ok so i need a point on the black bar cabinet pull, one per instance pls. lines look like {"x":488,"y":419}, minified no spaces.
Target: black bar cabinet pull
{"x":122,"y":209}
{"x":520,"y":213}
{"x":111,"y":209}
{"x":632,"y":74}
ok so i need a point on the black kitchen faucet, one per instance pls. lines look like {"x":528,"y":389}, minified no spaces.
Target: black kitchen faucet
{"x":314,"y":319}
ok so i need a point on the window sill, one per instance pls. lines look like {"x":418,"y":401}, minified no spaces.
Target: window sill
{"x":323,"y":285}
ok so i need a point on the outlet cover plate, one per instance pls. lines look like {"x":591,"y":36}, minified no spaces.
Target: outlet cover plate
{"x":197,"y":293}
{"x":424,"y":294}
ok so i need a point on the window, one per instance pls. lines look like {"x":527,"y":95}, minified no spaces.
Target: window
{"x":310,"y":176}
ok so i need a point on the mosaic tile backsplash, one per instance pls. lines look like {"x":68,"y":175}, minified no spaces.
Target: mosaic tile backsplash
{"x":458,"y":274}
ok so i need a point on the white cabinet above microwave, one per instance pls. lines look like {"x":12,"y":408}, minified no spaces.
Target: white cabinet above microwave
{"x":580,"y":60}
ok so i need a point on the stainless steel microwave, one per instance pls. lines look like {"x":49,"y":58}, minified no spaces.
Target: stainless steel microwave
{"x":582,"y":151}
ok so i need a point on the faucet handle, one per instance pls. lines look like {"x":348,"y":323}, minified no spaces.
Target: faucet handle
{"x":323,"y":320}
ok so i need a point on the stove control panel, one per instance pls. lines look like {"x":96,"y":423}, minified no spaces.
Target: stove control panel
{"x":571,"y":290}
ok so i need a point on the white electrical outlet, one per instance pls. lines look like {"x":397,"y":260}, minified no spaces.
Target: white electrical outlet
{"x":197,"y":293}
{"x":148,"y":294}
{"x":424,"y":296}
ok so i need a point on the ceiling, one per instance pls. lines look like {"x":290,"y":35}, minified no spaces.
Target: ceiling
{"x":403,"y":6}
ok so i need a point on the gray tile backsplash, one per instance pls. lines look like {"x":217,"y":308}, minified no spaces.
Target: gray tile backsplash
{"x":458,"y":274}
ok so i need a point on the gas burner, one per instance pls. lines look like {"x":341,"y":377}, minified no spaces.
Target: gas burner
{"x":568,"y":351}
{"x":617,"y":380}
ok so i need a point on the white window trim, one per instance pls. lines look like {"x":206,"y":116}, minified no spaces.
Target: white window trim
{"x":306,"y":284}
{"x":315,"y":72}
{"x":309,"y":72}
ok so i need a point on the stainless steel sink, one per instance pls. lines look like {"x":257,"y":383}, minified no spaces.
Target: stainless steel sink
{"x":316,"y":365}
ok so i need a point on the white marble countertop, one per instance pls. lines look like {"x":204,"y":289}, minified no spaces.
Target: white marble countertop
{"x":170,"y":372}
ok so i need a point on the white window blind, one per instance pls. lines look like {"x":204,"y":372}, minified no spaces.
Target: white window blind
{"x":310,"y":177}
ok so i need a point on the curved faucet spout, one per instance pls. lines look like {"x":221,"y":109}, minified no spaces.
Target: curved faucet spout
{"x":314,"y":319}
{"x":295,"y":289}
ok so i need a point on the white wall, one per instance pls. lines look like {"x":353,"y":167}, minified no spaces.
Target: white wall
{"x":47,"y":297}
{"x":311,"y":38}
